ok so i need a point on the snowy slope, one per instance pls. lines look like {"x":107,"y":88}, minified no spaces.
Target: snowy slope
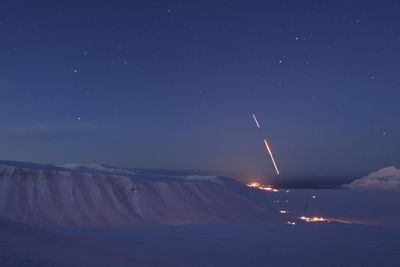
{"x":96,"y":167}
{"x":386,"y":178}
{"x":23,"y":245}
{"x":72,"y":195}
{"x":255,"y":245}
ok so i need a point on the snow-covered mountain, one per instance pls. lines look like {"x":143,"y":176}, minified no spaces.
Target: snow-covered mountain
{"x":96,"y":167}
{"x":386,"y":178}
{"x":100,"y":195}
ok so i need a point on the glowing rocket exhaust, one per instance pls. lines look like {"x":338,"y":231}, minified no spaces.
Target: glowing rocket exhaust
{"x":267,"y":146}
{"x":271,"y":155}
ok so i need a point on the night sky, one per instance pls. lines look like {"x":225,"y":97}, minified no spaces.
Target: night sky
{"x":173,"y":84}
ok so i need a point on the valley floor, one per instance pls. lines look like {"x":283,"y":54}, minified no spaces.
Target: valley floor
{"x":251,"y":245}
{"x":372,"y":238}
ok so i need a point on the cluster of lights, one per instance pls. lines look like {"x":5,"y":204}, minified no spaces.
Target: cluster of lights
{"x":313,"y":219}
{"x":302,"y":218}
{"x":306,"y":219}
{"x":262,"y":187}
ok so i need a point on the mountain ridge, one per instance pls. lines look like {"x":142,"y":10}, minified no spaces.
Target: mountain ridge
{"x":45,"y":194}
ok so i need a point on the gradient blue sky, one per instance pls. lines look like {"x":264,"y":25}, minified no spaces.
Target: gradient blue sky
{"x":173,"y":84}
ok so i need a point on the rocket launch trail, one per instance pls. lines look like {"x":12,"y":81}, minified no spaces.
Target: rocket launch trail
{"x":256,"y":121}
{"x":267,"y":146}
{"x":271,"y":155}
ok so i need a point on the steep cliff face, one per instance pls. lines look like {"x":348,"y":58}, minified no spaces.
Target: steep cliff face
{"x":94,"y":196}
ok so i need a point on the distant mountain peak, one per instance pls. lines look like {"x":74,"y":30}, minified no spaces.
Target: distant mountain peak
{"x":385,"y":178}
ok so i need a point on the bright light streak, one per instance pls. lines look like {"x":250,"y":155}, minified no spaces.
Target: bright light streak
{"x":262,"y":187}
{"x":254,"y":185}
{"x":267,"y":145}
{"x":291,"y":223}
{"x":271,"y":155}
{"x":322,"y":219}
{"x":282,"y":211}
{"x":255,"y":119}
{"x":313,"y":219}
